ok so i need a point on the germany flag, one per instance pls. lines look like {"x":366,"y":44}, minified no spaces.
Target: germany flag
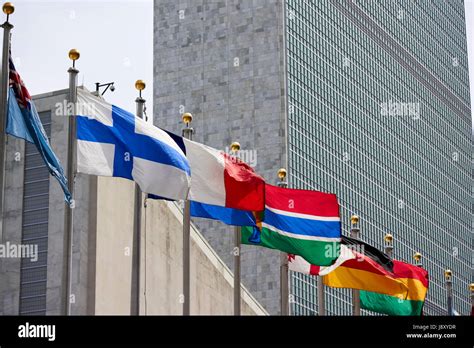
{"x":370,"y":270}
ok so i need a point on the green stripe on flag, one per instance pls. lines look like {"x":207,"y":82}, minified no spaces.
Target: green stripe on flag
{"x":321,"y":253}
{"x":390,"y":305}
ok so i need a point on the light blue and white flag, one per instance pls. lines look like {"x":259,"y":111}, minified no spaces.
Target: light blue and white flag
{"x":113,"y":142}
{"x":24,"y":122}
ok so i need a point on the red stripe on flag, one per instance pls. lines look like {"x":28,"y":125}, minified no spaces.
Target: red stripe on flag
{"x":302,"y":201}
{"x":314,"y":270}
{"x":21,"y":93}
{"x":405,"y":270}
{"x":244,"y":189}
{"x":365,"y":263}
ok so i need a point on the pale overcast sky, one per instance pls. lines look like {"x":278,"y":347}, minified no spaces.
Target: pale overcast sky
{"x":115,"y":38}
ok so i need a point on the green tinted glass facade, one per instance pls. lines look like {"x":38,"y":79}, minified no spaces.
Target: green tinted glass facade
{"x":379,"y":113}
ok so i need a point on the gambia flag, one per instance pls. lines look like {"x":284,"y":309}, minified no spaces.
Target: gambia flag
{"x":299,"y":222}
{"x":416,"y":280}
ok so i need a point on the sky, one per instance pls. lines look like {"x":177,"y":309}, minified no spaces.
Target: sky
{"x":115,"y":38}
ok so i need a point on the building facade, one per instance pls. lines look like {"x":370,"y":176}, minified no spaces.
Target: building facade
{"x":222,"y":61}
{"x":365,"y":99}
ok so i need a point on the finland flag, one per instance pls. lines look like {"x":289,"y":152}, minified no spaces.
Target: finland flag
{"x":113,"y":142}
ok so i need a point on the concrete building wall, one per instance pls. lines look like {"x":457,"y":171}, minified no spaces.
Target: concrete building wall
{"x":114,"y":248}
{"x":10,"y":267}
{"x":161,"y":260}
{"x":211,"y":279}
{"x":223,"y":61}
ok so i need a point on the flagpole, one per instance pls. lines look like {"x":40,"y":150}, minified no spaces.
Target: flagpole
{"x":235,"y":148}
{"x":355,"y":292}
{"x":448,"y":276}
{"x":321,"y":296}
{"x":8,"y":9}
{"x":135,"y":308}
{"x":237,"y":276}
{"x":71,"y":166}
{"x":321,"y":299}
{"x":388,"y":247}
{"x":284,"y":279}
{"x":471,"y":288}
{"x":188,"y":134}
{"x":417,"y":257}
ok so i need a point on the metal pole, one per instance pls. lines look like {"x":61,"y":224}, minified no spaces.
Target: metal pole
{"x":71,"y":170}
{"x":284,"y":279}
{"x":449,"y":290}
{"x":188,"y":134}
{"x":235,"y":148}
{"x":237,"y":295}
{"x":321,"y":295}
{"x":471,"y":289}
{"x":388,"y":248}
{"x":355,"y":292}
{"x":186,"y":257}
{"x":7,"y":27}
{"x":138,"y":204}
{"x":284,"y":286}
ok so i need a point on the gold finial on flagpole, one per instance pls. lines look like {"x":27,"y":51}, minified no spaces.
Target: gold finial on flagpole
{"x":74,"y":55}
{"x":235,"y":146}
{"x":187,"y":118}
{"x":388,"y":244}
{"x":354,"y":219}
{"x":448,"y":275}
{"x":140,"y":86}
{"x":8,"y":9}
{"x":282,"y":174}
{"x":417,"y":257}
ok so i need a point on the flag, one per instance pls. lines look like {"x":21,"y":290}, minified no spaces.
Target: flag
{"x":228,"y":216}
{"x":24,"y":122}
{"x":300,"y":222}
{"x":113,"y":142}
{"x":370,"y":270}
{"x":220,"y":179}
{"x":298,"y":264}
{"x":415,"y":279}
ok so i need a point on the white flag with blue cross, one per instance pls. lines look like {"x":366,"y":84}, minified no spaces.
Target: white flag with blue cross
{"x":113,"y":142}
